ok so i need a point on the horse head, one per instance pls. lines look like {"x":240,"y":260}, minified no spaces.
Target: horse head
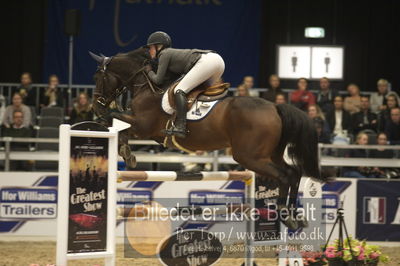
{"x":114,"y":75}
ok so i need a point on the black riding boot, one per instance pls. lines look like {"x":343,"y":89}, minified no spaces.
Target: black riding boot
{"x":179,"y":128}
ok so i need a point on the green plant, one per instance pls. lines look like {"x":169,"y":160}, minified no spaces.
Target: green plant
{"x":354,"y":250}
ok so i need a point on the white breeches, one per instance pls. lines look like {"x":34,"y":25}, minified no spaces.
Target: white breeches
{"x":209,"y":68}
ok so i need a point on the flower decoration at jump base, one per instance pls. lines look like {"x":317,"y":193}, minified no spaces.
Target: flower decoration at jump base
{"x":311,"y":258}
{"x":353,"y":252}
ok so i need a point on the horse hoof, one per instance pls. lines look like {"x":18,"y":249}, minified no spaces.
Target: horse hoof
{"x":125,"y":151}
{"x":131,"y":161}
{"x":129,"y":158}
{"x":303,"y":223}
{"x":291,"y":224}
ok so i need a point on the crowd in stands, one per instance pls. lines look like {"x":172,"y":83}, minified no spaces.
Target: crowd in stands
{"x":354,"y":117}
{"x":23,"y":117}
{"x":337,"y":115}
{"x":24,"y":99}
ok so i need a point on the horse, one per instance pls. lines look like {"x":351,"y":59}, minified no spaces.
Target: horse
{"x":256,"y":130}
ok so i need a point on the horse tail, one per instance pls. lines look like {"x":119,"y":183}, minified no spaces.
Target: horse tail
{"x":300,"y":134}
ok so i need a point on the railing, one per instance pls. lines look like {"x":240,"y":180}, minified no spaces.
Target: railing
{"x":7,"y":88}
{"x":368,"y":162}
{"x":73,"y":92}
{"x":213,"y":158}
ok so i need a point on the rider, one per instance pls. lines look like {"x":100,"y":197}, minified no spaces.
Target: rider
{"x":198,"y":66}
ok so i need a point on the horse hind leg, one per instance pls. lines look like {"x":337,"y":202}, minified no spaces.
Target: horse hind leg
{"x":288,"y":192}
{"x":294,"y":221}
{"x":264,"y":167}
{"x":267,"y":171}
{"x":294,"y":189}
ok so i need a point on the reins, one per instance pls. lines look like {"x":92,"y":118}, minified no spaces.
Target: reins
{"x":125,"y":85}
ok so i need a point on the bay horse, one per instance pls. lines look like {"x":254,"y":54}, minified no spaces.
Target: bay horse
{"x":257,"y":131}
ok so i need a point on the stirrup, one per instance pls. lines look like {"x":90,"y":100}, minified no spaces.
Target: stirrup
{"x":175,"y":131}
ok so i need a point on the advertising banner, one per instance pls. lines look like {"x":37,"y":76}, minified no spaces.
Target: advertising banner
{"x":378,"y":205}
{"x":88,"y":195}
{"x":28,"y":203}
{"x":28,"y":199}
{"x":340,"y":193}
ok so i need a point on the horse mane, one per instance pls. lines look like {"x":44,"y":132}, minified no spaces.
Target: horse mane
{"x":140,"y":55}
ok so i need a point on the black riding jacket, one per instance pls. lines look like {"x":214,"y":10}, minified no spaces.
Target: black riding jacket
{"x":177,"y":61}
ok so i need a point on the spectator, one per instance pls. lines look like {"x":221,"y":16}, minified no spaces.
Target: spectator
{"x":302,"y":98}
{"x":82,"y":111}
{"x":26,"y":91}
{"x":392,"y":128}
{"x":241,"y":90}
{"x":323,"y":135}
{"x":280,"y":98}
{"x":384,"y":115}
{"x":315,"y":113}
{"x":2,"y":108}
{"x":379,"y":99}
{"x":365,"y":119}
{"x":17,"y":105}
{"x":273,"y":90}
{"x":326,"y":96}
{"x":352,"y":103}
{"x":362,"y":139}
{"x":384,"y":154}
{"x":53,"y":96}
{"x":339,"y":120}
{"x":248,"y":83}
{"x":17,"y":130}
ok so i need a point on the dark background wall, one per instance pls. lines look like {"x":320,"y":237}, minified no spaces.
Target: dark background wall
{"x":369,"y":30}
{"x":22,"y":31}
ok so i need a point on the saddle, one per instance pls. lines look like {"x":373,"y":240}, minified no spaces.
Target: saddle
{"x":202,"y":93}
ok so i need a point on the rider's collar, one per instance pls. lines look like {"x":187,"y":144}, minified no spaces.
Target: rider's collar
{"x":159,"y":51}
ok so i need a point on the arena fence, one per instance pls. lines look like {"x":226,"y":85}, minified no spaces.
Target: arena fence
{"x":213,"y":158}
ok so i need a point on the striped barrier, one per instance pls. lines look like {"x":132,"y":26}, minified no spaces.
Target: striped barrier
{"x":244,"y":176}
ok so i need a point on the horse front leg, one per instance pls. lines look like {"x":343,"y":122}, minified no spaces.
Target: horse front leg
{"x":124,"y":150}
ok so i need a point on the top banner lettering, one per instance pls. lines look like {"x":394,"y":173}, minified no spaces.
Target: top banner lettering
{"x":231,"y":28}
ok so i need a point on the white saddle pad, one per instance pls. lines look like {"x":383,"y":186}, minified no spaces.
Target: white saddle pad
{"x":199,"y":110}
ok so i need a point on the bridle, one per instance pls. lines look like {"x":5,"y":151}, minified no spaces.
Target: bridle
{"x":101,"y":98}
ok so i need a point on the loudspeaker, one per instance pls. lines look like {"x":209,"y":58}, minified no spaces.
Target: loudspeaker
{"x":72,"y":22}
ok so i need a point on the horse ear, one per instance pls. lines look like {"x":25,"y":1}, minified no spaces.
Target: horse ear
{"x":99,"y":59}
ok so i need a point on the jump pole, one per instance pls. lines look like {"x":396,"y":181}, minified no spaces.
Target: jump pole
{"x":245,"y":176}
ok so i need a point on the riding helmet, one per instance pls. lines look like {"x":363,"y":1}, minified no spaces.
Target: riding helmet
{"x":159,"y":37}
